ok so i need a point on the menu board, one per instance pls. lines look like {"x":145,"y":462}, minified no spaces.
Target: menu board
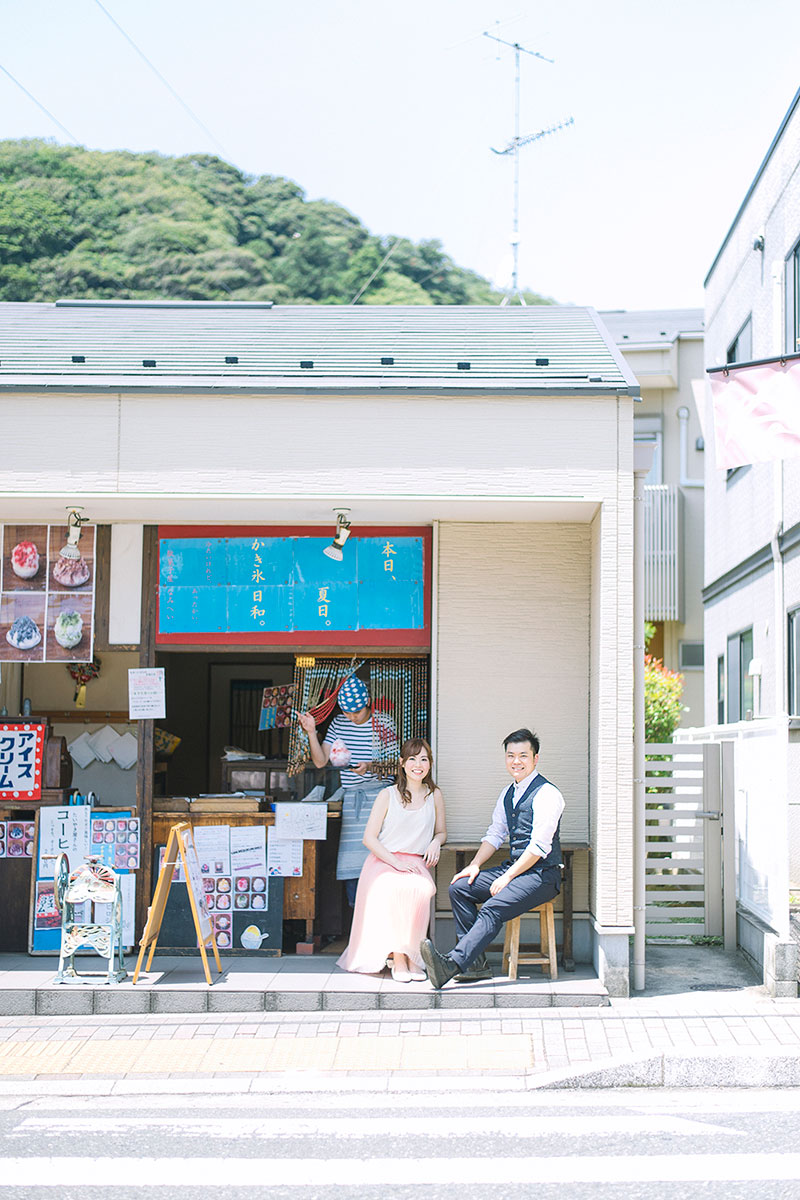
{"x":47,"y":598}
{"x":272,"y":586}
{"x":73,"y":830}
{"x":244,"y":906}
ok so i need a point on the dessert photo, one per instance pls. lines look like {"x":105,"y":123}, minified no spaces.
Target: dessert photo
{"x":71,"y":566}
{"x":22,"y":627}
{"x":24,"y":560}
{"x":69,"y":628}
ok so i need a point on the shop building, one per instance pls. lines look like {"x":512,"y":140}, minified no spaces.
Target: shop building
{"x":498,"y":442}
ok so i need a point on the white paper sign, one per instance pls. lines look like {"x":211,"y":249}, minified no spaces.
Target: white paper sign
{"x":103,"y":912}
{"x":213,"y":848}
{"x":294,"y":821}
{"x":195,"y":882}
{"x":64,"y":830}
{"x":284,"y":857}
{"x":248,"y":850}
{"x":146,"y":694}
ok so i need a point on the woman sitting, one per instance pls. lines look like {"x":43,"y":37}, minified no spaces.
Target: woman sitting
{"x":405,"y":833}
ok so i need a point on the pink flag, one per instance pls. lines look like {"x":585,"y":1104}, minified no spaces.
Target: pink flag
{"x":757,"y":412}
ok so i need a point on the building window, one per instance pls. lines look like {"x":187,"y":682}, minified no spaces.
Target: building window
{"x":739,"y":691}
{"x":794,"y":662}
{"x":792,"y":301}
{"x":690,"y":656}
{"x":741,"y":348}
{"x":721,"y":690}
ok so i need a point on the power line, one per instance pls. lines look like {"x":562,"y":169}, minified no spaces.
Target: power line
{"x":377,"y":271}
{"x":39,"y":104}
{"x":165,"y":82}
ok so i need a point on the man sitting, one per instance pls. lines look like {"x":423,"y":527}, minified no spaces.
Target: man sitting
{"x":528,"y":815}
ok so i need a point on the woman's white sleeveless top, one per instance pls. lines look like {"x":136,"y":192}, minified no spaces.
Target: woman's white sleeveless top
{"x":405,"y":830}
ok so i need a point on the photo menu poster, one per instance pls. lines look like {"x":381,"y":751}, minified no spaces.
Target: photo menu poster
{"x":47,"y":599}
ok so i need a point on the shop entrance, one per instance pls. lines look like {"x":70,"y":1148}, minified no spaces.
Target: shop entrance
{"x":235,"y":762}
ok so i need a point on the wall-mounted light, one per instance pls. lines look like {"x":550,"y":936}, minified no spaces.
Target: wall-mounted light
{"x":334,"y":551}
{"x":74,"y":521}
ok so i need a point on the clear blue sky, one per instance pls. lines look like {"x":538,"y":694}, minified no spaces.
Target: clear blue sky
{"x":390,"y":109}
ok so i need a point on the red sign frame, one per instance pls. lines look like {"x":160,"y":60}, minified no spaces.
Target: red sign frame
{"x":34,"y":793}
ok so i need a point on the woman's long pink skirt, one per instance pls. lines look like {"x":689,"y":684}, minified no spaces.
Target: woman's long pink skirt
{"x":391,"y":913}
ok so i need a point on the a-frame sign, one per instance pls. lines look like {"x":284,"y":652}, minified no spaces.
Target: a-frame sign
{"x":180,"y":849}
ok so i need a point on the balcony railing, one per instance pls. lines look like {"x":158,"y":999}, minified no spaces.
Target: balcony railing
{"x":663,"y":552}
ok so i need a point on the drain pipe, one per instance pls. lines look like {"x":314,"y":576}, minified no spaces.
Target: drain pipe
{"x":685,"y":481}
{"x":642,"y":461}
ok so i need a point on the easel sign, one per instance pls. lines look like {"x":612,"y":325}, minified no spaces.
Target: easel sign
{"x":180,"y":849}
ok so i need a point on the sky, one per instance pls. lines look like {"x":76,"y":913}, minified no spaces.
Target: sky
{"x":392,"y":110}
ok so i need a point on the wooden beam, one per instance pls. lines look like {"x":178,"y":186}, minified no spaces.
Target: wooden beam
{"x":144,"y":775}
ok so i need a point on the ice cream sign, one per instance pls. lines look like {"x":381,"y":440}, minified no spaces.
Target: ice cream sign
{"x":21,"y":747}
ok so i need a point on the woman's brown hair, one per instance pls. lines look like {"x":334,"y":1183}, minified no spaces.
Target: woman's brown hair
{"x":408,"y":750}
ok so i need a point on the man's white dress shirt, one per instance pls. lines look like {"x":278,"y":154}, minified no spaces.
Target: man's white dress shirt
{"x":548,"y":805}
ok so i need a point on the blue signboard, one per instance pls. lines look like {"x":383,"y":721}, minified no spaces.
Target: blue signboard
{"x":282,"y":585}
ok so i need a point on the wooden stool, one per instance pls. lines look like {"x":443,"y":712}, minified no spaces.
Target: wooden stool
{"x":547,"y":956}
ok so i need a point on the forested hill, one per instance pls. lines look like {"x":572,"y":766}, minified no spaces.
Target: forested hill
{"x":89,"y":223}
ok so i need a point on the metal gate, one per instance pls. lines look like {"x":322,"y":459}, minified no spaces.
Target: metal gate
{"x":687,"y":857}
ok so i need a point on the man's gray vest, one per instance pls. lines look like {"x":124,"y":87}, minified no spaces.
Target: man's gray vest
{"x":520,"y":824}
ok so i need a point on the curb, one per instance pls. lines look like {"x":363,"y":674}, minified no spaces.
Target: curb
{"x":701,"y":1069}
{"x":64,"y":1001}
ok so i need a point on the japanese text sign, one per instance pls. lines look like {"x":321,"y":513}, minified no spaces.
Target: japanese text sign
{"x":271,"y":586}
{"x":21,"y":748}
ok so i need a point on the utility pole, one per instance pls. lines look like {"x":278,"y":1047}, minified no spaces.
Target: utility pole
{"x":513,"y":148}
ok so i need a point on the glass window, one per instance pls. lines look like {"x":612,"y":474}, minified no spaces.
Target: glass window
{"x":721,"y":690}
{"x":792,"y":301}
{"x":741,"y":348}
{"x":794,"y":662}
{"x":739,"y":692}
{"x":690,"y":656}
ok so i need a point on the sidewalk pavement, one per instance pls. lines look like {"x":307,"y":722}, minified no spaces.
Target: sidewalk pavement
{"x":683,"y":1032}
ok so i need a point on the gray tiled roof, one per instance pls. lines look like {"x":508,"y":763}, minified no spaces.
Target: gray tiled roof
{"x":538,"y":348}
{"x":651,"y":326}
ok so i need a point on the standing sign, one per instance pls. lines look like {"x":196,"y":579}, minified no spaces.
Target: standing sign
{"x":21,"y":749}
{"x":75,"y":830}
{"x":180,"y":849}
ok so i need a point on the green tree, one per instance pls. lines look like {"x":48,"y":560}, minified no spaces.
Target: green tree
{"x":663,"y":691}
{"x":86,"y":223}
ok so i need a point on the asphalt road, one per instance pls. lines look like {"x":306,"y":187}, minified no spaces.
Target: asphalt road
{"x":442,"y":1143}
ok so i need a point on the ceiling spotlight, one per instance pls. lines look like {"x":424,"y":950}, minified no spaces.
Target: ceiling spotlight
{"x":334,"y":551}
{"x":75,"y":519}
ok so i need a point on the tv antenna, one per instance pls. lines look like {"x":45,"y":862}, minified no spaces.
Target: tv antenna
{"x":513,"y":148}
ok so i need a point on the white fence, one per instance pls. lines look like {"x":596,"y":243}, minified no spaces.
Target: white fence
{"x":684,"y":865}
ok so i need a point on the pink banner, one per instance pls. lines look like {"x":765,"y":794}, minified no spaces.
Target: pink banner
{"x":757,"y":413}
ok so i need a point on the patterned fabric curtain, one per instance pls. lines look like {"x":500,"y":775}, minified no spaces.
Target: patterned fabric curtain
{"x":399,"y":695}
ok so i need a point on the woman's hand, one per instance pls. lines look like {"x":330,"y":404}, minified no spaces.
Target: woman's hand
{"x":431,"y":856}
{"x":402,"y":867}
{"x":307,"y":722}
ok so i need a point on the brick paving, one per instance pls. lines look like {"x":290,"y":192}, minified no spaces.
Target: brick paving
{"x":528,"y":1042}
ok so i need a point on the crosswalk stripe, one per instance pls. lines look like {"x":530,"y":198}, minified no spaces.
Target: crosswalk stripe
{"x":233,"y":1128}
{"x":265,"y":1173}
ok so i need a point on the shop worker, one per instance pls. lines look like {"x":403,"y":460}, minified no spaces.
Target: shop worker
{"x":360,"y":730}
{"x":527,"y":815}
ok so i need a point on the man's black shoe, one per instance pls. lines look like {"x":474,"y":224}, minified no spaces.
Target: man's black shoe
{"x":440,"y":967}
{"x":479,"y":969}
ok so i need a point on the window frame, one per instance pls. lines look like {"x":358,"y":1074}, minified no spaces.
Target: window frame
{"x":793,"y":661}
{"x":732,"y":355}
{"x":791,"y":300}
{"x":739,"y":692}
